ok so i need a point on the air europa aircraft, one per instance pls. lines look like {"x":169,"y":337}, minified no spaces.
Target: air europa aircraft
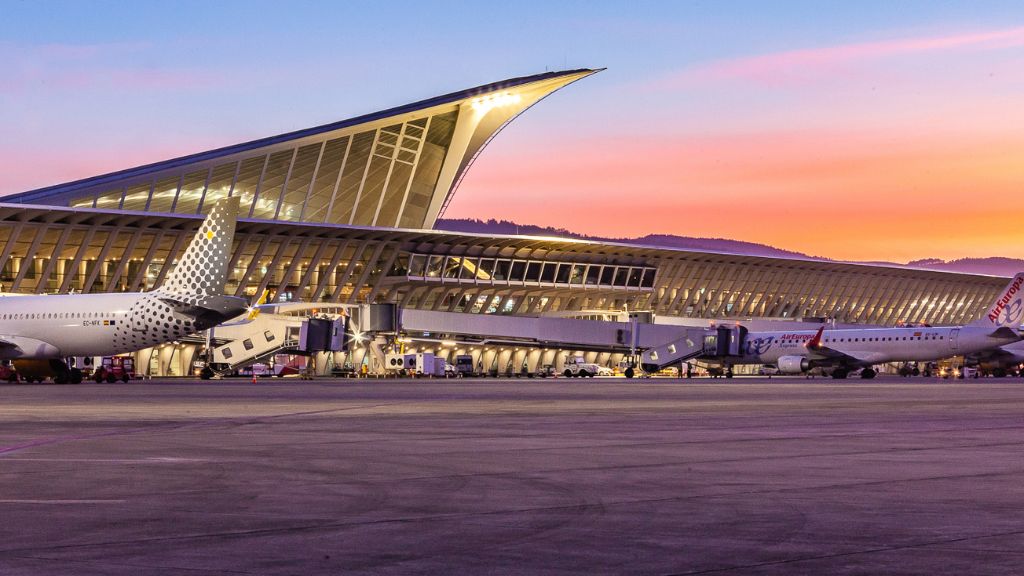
{"x":50,"y":327}
{"x":841,"y":351}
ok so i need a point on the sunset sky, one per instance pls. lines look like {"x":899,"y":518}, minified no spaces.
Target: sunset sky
{"x":867,"y":131}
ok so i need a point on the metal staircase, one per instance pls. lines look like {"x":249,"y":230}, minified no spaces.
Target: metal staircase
{"x":689,"y":345}
{"x":256,"y":339}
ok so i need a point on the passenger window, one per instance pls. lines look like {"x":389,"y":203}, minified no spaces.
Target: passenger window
{"x":247,"y":344}
{"x":227,"y":353}
{"x":518,"y":271}
{"x":268,"y":335}
{"x":548,"y":272}
{"x":533,"y":272}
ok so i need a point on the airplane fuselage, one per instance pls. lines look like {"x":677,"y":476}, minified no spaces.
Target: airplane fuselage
{"x":88,"y":324}
{"x":872,"y":345}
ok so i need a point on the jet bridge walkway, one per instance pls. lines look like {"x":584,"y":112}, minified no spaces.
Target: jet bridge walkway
{"x":252,"y":340}
{"x":659,"y":345}
{"x":276,"y":330}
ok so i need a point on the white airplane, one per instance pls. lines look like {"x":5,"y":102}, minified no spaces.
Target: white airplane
{"x":841,"y":351}
{"x":51,"y":327}
{"x":999,"y":362}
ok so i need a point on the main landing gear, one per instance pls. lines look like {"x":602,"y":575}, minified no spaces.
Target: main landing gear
{"x":842,"y":373}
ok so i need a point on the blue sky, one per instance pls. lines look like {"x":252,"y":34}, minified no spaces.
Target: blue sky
{"x":89,"y":87}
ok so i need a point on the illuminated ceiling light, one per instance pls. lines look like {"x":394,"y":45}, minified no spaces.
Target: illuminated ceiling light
{"x":485,"y":103}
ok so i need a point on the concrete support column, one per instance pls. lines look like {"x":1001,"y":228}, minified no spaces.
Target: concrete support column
{"x":164,"y":359}
{"x":504,"y":355}
{"x":548,"y":357}
{"x":518,"y":357}
{"x":188,"y":355}
{"x":322,"y":364}
{"x":533,"y":360}
{"x":488,"y":359}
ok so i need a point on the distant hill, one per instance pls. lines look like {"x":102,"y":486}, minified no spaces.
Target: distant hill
{"x":492,"y":226}
{"x":995,"y":266}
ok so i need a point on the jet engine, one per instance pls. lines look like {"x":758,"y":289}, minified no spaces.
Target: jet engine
{"x":793,"y":365}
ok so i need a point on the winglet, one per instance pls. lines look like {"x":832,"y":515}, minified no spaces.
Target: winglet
{"x":1008,"y":309}
{"x":816,"y":341}
{"x":254,"y":310}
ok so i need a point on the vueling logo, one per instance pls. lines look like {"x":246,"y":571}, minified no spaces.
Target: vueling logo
{"x":1007,"y":306}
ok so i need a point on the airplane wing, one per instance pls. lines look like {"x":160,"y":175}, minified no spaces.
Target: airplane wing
{"x":994,"y":355}
{"x":820,"y":355}
{"x":214,"y":309}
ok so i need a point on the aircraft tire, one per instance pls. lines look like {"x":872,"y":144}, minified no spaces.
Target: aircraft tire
{"x":867,"y":373}
{"x":60,"y":379}
{"x":630,"y":372}
{"x":76,"y":376}
{"x":839,"y":374}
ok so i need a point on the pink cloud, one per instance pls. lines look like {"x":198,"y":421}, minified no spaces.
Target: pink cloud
{"x":787,"y":66}
{"x":24,"y":168}
{"x":65,"y":67}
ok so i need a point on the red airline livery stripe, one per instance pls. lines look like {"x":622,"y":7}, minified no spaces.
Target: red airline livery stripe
{"x":993,"y":314}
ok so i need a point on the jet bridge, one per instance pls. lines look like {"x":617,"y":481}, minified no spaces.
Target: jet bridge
{"x":659,"y":345}
{"x":254,"y":339}
{"x":276,"y":329}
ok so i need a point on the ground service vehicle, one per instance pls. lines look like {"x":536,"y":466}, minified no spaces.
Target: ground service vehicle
{"x":429,"y":365}
{"x":464,"y":365}
{"x":546,"y":371}
{"x":577,"y":366}
{"x":115,"y":368}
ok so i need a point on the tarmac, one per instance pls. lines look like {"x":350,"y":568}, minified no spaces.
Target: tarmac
{"x":565,"y":476}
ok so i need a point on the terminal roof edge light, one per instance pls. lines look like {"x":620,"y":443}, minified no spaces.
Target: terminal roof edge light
{"x":397,"y":168}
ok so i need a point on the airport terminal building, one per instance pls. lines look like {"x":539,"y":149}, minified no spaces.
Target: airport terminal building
{"x":345,"y":213}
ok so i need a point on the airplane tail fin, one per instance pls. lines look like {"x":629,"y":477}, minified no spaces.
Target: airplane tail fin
{"x":203,"y":268}
{"x":816,"y":340}
{"x":1008,"y":309}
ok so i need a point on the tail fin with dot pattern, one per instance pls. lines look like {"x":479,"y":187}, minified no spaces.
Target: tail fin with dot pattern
{"x":203,"y":267}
